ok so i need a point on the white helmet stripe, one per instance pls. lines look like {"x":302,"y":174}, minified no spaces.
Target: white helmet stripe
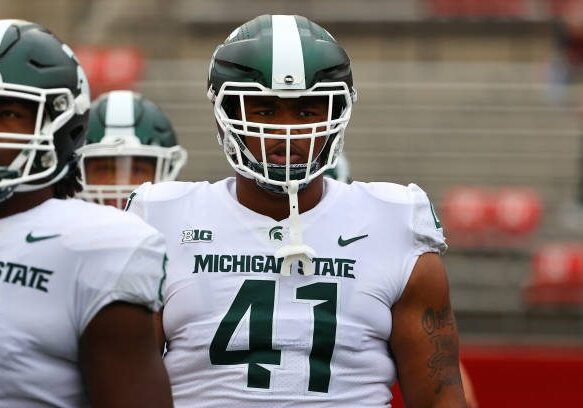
{"x":4,"y":26}
{"x":288,"y":58}
{"x":119,"y":115}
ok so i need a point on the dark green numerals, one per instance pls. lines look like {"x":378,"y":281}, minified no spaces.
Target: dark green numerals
{"x":259,"y":295}
{"x":324,"y":337}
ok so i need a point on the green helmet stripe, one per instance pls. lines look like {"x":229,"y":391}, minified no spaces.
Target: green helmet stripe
{"x":288,"y":59}
{"x":120,"y":113}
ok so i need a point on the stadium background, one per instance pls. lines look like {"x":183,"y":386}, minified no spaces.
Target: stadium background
{"x":476,"y":101}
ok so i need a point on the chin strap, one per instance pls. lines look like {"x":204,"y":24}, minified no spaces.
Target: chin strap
{"x":6,"y":193}
{"x":27,"y":188}
{"x":296,"y":250}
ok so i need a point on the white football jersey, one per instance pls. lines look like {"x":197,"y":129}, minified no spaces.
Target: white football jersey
{"x":241,"y":334}
{"x":60,"y":263}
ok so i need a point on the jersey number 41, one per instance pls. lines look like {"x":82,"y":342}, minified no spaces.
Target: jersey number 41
{"x":259,"y":297}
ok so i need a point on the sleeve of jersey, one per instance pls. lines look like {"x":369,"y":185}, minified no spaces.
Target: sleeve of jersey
{"x":427,"y":230}
{"x":427,"y":233}
{"x":121,"y":273}
{"x":137,"y":201}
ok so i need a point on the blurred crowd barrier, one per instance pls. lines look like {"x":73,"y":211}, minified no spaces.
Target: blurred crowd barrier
{"x":511,"y":376}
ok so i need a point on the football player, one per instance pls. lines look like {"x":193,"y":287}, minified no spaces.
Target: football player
{"x":78,"y":281}
{"x":284,"y":287}
{"x":130,"y":141}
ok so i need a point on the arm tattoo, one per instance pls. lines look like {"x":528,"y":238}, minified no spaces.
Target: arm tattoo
{"x":435,"y":320}
{"x":443,"y":362}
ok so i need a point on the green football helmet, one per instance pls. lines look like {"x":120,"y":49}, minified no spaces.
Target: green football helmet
{"x":268,"y":58}
{"x":285,"y":57}
{"x":124,"y":127}
{"x":35,"y":66}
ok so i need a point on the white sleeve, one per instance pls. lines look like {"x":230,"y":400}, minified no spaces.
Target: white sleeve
{"x":427,"y":229}
{"x":137,"y":200}
{"x":427,"y":232}
{"x":131,"y":272}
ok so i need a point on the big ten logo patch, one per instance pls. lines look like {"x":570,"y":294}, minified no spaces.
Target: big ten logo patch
{"x":196,"y":235}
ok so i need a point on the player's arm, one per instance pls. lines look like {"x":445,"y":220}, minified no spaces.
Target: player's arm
{"x":159,"y":331}
{"x":120,"y":359}
{"x":424,"y":339}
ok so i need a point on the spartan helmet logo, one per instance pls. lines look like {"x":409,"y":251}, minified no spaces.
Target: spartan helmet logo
{"x":276,"y":234}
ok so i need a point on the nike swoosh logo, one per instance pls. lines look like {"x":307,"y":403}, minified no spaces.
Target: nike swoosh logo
{"x":30,"y":239}
{"x":344,"y":242}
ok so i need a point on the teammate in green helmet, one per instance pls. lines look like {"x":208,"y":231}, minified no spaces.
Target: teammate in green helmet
{"x":130,"y":141}
{"x":79,"y":282}
{"x":41,"y":73}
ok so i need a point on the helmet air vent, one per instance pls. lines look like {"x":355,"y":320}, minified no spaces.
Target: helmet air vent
{"x":38,"y":64}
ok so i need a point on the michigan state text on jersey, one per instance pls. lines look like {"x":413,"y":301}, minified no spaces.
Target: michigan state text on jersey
{"x":301,"y":291}
{"x":78,"y":282}
{"x":61,"y":263}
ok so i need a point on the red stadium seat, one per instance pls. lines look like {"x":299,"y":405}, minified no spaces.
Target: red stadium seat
{"x":557,"y":275}
{"x":517,"y":210}
{"x":466,"y":213}
{"x":466,"y":209}
{"x":479,"y":217}
{"x":111,"y":68}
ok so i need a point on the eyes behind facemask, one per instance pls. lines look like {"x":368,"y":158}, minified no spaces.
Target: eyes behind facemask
{"x":240,"y":133}
{"x":119,"y":170}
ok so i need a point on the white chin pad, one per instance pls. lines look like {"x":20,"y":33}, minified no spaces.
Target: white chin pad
{"x":296,"y":250}
{"x":292,"y":253}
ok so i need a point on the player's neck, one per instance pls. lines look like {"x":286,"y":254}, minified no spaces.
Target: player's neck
{"x":276,"y":205}
{"x":21,"y":202}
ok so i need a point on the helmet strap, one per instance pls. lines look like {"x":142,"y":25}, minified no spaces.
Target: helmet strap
{"x":19,"y":161}
{"x":296,"y":250}
{"x":27,"y":188}
{"x":6,"y":193}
